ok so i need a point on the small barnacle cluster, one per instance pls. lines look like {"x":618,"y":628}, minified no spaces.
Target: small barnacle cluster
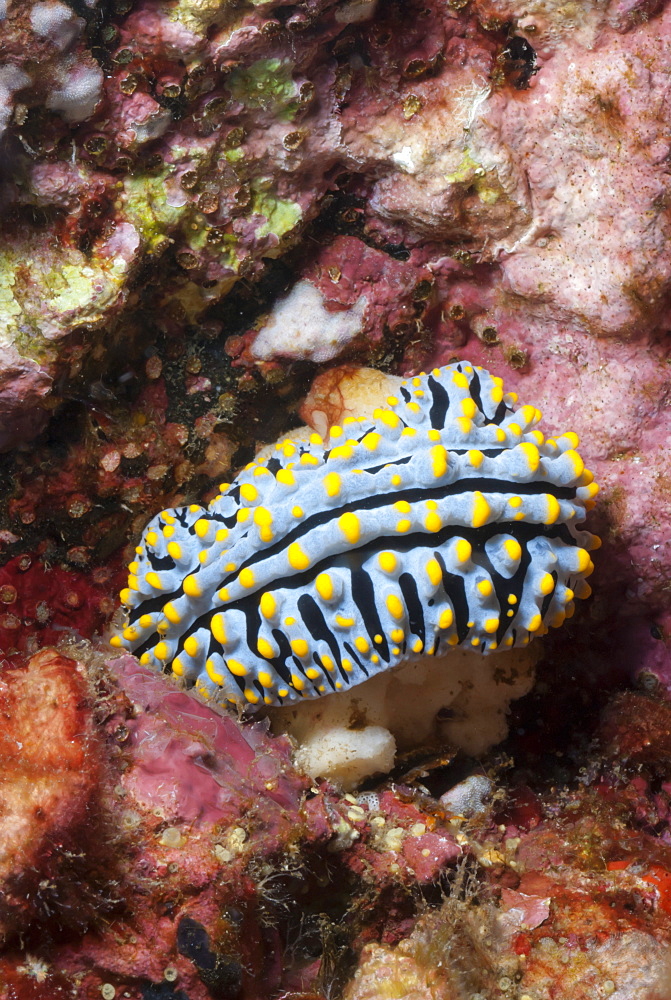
{"x":445,"y":520}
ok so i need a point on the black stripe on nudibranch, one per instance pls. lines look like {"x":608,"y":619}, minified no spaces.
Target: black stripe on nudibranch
{"x":377,"y":502}
{"x":444,"y":520}
{"x":441,"y":403}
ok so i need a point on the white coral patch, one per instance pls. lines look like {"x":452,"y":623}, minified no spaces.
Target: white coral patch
{"x":300,"y":326}
{"x":79,"y":93}
{"x":56,"y":22}
{"x":350,"y":755}
{"x":349,"y":736}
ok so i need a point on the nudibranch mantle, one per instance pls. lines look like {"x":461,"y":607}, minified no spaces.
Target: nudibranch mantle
{"x":444,"y":520}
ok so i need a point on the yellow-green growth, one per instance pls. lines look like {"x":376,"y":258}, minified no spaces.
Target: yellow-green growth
{"x":281,"y":216}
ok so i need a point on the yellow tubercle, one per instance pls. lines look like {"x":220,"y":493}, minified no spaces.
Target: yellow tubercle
{"x":213,"y":673}
{"x":463,"y":550}
{"x":433,"y":522}
{"x":267,"y":650}
{"x":439,"y":461}
{"x":237,"y":669}
{"x":389,"y":419}
{"x":396,"y":609}
{"x":286,"y":477}
{"x":512,"y":549}
{"x":387,"y":561}
{"x":578,"y":466}
{"x":218,"y":626}
{"x":434,"y":572}
{"x":298,"y":559}
{"x":332,"y":484}
{"x":553,"y":509}
{"x":324,"y":586}
{"x":481,"y":510}
{"x":531,"y":453}
{"x":191,"y":587}
{"x":202,"y":526}
{"x":446,"y":618}
{"x":191,"y":645}
{"x":350,"y":526}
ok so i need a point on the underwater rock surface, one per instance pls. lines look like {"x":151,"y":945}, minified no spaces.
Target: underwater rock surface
{"x":212,"y":215}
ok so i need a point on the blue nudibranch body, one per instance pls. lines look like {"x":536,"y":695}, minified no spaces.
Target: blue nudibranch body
{"x":444,"y":520}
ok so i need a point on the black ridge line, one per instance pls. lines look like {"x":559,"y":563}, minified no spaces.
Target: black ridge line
{"x":477,"y":536}
{"x":415,"y":495}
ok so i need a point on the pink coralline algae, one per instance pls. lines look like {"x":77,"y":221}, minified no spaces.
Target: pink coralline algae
{"x":176,"y":842}
{"x":213,"y":215}
{"x":211,"y":140}
{"x":195,"y":778}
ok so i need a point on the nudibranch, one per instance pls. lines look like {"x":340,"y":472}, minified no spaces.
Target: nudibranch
{"x":443,"y":520}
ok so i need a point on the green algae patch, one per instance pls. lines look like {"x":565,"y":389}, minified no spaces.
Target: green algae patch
{"x":147,"y":207}
{"x":223,"y":248}
{"x":10,"y":308}
{"x":70,"y":287}
{"x":234,"y":155}
{"x":43,"y":297}
{"x":199,"y":15}
{"x":267,"y":84}
{"x":281,"y":216}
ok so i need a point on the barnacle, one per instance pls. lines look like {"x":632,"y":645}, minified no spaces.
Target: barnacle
{"x":445,"y":520}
